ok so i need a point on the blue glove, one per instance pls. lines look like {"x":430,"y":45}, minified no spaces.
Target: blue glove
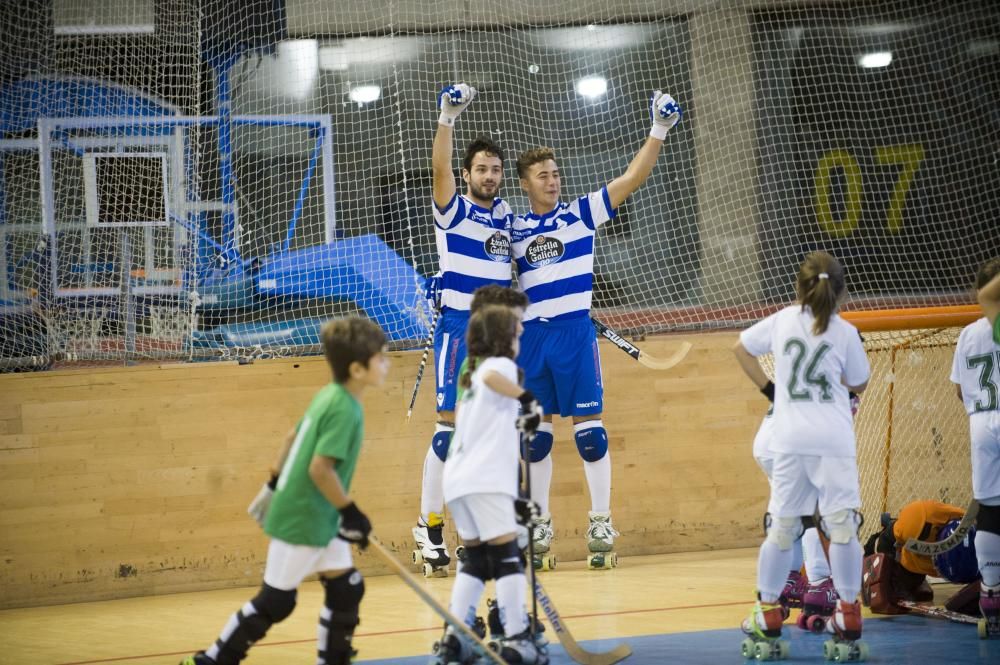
{"x":452,"y":100}
{"x":665,"y":112}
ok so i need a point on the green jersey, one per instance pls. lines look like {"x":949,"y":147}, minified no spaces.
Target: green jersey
{"x":333,"y":426}
{"x":996,"y":330}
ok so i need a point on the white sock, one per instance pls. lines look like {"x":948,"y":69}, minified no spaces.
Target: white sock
{"x":541,"y":482}
{"x":599,"y":481}
{"x":817,"y":567}
{"x":432,"y":485}
{"x":465,"y":597}
{"x":773,"y":565}
{"x":845,"y":565}
{"x":988,"y":556}
{"x":796,"y":564}
{"x":511,"y":592}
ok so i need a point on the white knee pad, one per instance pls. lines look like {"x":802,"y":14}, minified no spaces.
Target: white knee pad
{"x":842,"y":526}
{"x":784,"y":531}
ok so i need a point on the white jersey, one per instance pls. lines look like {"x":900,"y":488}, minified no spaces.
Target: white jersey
{"x":473,"y":246}
{"x":976,"y":367}
{"x":812,"y":408}
{"x":484,"y":453}
{"x":555,"y":256}
{"x":762,"y":440}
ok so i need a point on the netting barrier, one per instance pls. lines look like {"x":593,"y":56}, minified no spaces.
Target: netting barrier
{"x":196,"y":178}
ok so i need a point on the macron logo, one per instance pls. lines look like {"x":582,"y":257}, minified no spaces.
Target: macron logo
{"x":585,"y":405}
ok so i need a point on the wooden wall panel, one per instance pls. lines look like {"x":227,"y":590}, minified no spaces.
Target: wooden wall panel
{"x":133,"y":481}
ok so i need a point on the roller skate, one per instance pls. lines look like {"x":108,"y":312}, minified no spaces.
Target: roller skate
{"x":818,"y":605}
{"x":795,"y":587}
{"x":520,"y":649}
{"x":763,"y":630}
{"x":989,"y":605}
{"x":541,"y":532}
{"x":845,"y":624}
{"x":497,"y":632}
{"x":198,"y":659}
{"x":601,"y":542}
{"x":431,"y":554}
{"x":451,"y":649}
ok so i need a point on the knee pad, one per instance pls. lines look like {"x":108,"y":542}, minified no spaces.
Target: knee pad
{"x":506,"y":559}
{"x":274,"y":604}
{"x":541,"y":444}
{"x":441,"y":440}
{"x":591,"y":440}
{"x":808,"y":522}
{"x":477,"y":562}
{"x":842,"y":526}
{"x":785,"y":531}
{"x":988,"y":519}
{"x":339,"y":616}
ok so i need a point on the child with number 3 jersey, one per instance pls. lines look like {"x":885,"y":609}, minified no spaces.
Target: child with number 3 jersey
{"x":818,"y":359}
{"x":976,"y":371}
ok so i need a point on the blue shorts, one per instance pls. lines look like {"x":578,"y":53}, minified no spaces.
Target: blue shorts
{"x":562,"y":366}
{"x":449,"y":352}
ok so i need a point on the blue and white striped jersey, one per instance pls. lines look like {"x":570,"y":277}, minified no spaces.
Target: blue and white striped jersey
{"x":555,"y":256}
{"x":473,"y":246}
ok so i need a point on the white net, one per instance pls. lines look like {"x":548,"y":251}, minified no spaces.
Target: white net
{"x":295,"y":138}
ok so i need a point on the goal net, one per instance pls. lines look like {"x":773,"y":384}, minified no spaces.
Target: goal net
{"x":190,"y":178}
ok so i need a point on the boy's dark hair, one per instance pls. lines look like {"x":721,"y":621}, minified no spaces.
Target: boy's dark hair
{"x":490,"y":334}
{"x":529,"y":158}
{"x":494,"y":294}
{"x":820,"y":294}
{"x":986,"y":272}
{"x":478,"y":145}
{"x":350,"y":340}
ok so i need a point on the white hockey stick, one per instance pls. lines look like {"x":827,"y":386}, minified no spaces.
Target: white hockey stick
{"x":477,"y":644}
{"x":572,"y":647}
{"x":423,"y":363}
{"x":952,"y":541}
{"x":649,"y":361}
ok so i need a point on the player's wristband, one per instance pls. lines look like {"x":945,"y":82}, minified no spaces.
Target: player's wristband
{"x":526,"y":398}
{"x":658,"y":131}
{"x":446,"y":120}
{"x":768,"y":391}
{"x":273,"y":482}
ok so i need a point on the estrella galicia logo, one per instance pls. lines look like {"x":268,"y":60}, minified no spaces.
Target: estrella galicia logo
{"x":543,"y":250}
{"x":497,"y":247}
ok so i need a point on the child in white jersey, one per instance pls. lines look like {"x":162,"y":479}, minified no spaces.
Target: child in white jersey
{"x":976,"y":371}
{"x":818,"y":359}
{"x":481,"y":484}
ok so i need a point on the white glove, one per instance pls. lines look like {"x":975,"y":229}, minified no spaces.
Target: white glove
{"x":665,"y":112}
{"x":452,"y":100}
{"x":258,"y":507}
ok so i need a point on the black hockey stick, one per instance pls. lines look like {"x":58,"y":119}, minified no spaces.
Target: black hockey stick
{"x":952,"y":541}
{"x":649,"y":361}
{"x":526,"y":455}
{"x":423,"y":362}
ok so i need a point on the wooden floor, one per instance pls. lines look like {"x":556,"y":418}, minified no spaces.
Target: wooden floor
{"x":645,"y":595}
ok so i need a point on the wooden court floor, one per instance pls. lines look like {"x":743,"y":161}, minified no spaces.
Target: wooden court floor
{"x":646,"y":596}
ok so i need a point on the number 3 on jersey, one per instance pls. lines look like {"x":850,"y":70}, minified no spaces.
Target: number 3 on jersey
{"x":986,"y":365}
{"x":810,"y":374}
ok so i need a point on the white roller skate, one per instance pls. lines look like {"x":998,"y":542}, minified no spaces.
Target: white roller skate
{"x":763,"y":630}
{"x":521,"y":649}
{"x":601,"y":542}
{"x":542,"y":542}
{"x":989,"y":606}
{"x":451,"y":649}
{"x":431,"y":553}
{"x":845,"y":624}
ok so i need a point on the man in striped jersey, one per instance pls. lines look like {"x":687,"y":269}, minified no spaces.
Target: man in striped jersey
{"x":553,"y":248}
{"x":473,"y":241}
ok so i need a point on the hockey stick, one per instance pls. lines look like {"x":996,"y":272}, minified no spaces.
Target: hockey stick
{"x":526,"y":455}
{"x":649,"y":361}
{"x":952,"y":541}
{"x":423,"y":362}
{"x":572,"y":647}
{"x":477,"y":644}
{"x":937,"y":612}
